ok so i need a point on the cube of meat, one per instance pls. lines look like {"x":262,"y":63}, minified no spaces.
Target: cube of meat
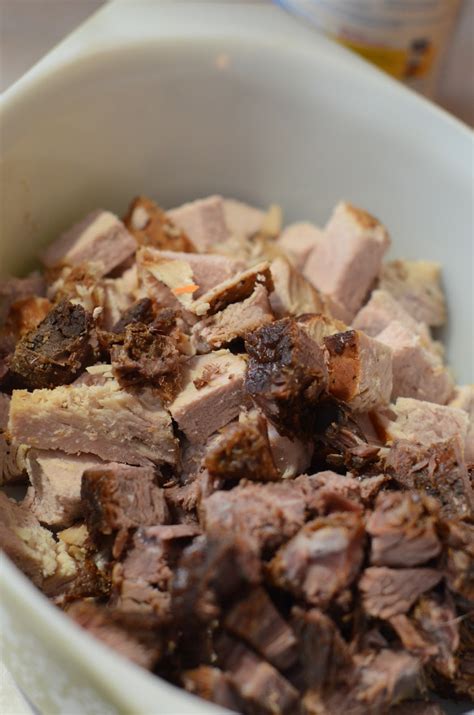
{"x":346,"y":263}
{"x":298,"y":240}
{"x":293,"y":294}
{"x":212,"y":684}
{"x":117,"y":496}
{"x":151,"y":226}
{"x":208,"y":269}
{"x":242,"y":220}
{"x":265,"y":514}
{"x":381,"y":309}
{"x":417,"y":372}
{"x":256,"y":620}
{"x":359,"y":370}
{"x":464,"y":400}
{"x":12,"y":454}
{"x":319,"y":326}
{"x":322,"y":559}
{"x":203,"y":221}
{"x":100,"y":419}
{"x":233,"y":290}
{"x":30,"y":546}
{"x":423,"y":422}
{"x":417,"y":286}
{"x":235,"y":321}
{"x":211,"y":396}
{"x":387,"y":592}
{"x":55,"y":497}
{"x":403,"y":530}
{"x":169,"y":281}
{"x":56,"y":351}
{"x":100,"y":238}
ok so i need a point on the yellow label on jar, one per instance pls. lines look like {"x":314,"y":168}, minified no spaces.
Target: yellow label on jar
{"x":400,"y":63}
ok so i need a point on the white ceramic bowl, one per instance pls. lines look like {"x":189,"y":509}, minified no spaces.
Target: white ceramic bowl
{"x":179,"y":100}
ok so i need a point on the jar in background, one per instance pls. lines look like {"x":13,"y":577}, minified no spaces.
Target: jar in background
{"x":406,"y":38}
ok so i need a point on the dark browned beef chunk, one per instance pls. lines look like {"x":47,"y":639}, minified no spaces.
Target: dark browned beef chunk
{"x":403,"y":529}
{"x":120,"y":497}
{"x":458,"y":539}
{"x":139,"y":312}
{"x":56,"y":351}
{"x":242,"y":452}
{"x":211,"y":684}
{"x":146,"y":357}
{"x":255,"y":620}
{"x":285,"y":376}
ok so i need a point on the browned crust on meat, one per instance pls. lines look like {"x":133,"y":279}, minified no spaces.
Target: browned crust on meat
{"x":236,"y":289}
{"x":343,"y":350}
{"x":158,"y":229}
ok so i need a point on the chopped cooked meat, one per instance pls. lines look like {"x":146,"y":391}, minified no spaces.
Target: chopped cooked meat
{"x":328,"y":491}
{"x":233,"y":290}
{"x":146,"y":357}
{"x":417,"y":707}
{"x":100,"y":238}
{"x":463,"y":685}
{"x":208,"y":269}
{"x":211,"y":396}
{"x":203,"y":221}
{"x":169,"y":282}
{"x":285,"y":376}
{"x":30,"y":546}
{"x":417,"y":371}
{"x":101,"y":419}
{"x":359,"y":370}
{"x":291,"y":456}
{"x":387,"y":592}
{"x":55,"y":477}
{"x":417,"y":286}
{"x":211,"y":684}
{"x":84,"y":285}
{"x":242,"y":451}
{"x":298,"y":240}
{"x":412,"y":639}
{"x":438,"y":469}
{"x":151,"y":226}
{"x":242,"y":220}
{"x":322,"y":559}
{"x":319,"y":326}
{"x":255,"y":620}
{"x":14,"y":289}
{"x":140,"y":584}
{"x":210,"y":572}
{"x":25,"y":314}
{"x":437,"y":622}
{"x":137,"y":643}
{"x":293,"y":294}
{"x":235,"y":321}
{"x":267,"y":514}
{"x":116,"y":497}
{"x":55,"y":351}
{"x":139,"y":312}
{"x":263,"y":689}
{"x":458,"y":568}
{"x":403,"y":530}
{"x":424,"y":422}
{"x":464,"y":400}
{"x":12,"y":454}
{"x":324,"y":655}
{"x":346,"y":262}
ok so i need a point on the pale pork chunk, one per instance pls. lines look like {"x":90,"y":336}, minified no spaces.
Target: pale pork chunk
{"x":292,"y":293}
{"x":234,"y":289}
{"x":235,"y":321}
{"x":203,"y":221}
{"x":417,"y":286}
{"x":212,"y":394}
{"x":298,"y":240}
{"x":208,"y":269}
{"x":417,"y":372}
{"x":101,"y":419}
{"x":423,"y":422}
{"x":359,"y":369}
{"x":169,"y":281}
{"x":55,"y":494}
{"x":100,"y":238}
{"x":242,"y":220}
{"x":30,"y":546}
{"x":464,"y":400}
{"x":12,"y":454}
{"x":347,"y":262}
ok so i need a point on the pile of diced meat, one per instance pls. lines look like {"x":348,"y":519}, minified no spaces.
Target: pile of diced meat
{"x":249,"y":468}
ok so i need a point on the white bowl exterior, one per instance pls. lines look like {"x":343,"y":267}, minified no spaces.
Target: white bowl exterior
{"x":158,"y":98}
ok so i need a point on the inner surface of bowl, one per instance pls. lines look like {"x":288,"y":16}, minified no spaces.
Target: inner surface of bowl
{"x":258,"y":120}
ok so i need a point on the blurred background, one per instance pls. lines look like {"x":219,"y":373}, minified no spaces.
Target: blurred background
{"x":29,"y":28}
